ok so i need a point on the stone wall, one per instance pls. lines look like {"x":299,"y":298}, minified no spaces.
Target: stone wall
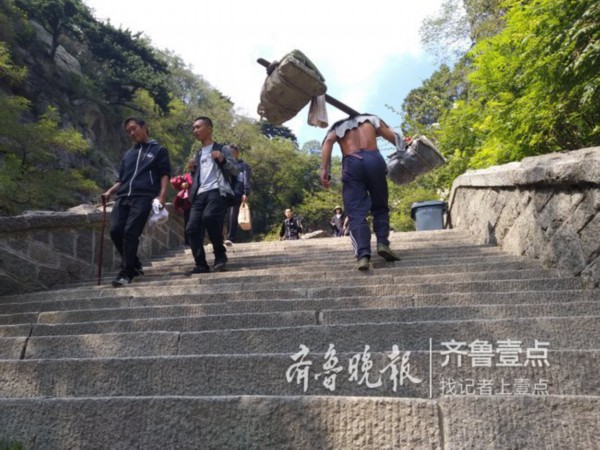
{"x":544,"y":207}
{"x":42,"y":250}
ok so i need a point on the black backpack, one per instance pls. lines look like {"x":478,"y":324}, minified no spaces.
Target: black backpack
{"x":232,"y":179}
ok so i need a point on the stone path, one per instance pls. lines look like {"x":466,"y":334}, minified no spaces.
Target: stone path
{"x":456,"y":346}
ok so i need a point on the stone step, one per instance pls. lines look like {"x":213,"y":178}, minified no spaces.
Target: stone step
{"x":261,"y":422}
{"x":321,"y":253}
{"x":580,"y":333}
{"x":284,"y":332}
{"x":213,"y":294}
{"x":465,"y":298}
{"x":184,"y":305}
{"x":197,"y":323}
{"x":444,"y":265}
{"x":193,"y":284}
{"x":324,"y":259}
{"x":121,"y":325}
{"x":248,"y":284}
{"x":336,"y":245}
{"x":349,"y":311}
{"x":423,"y":375}
{"x":315,"y":280}
{"x":391,"y":315}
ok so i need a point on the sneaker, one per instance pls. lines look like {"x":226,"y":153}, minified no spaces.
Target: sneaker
{"x":220,"y":263}
{"x":228,"y":243}
{"x":121,"y":280}
{"x":386,"y":253}
{"x":138,"y":271}
{"x":363,"y":263}
{"x":200,"y":269}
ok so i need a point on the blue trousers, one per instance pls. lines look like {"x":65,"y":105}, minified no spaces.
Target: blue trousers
{"x":365,"y":190}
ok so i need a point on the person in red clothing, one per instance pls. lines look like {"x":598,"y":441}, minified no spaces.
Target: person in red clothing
{"x":181,"y":203}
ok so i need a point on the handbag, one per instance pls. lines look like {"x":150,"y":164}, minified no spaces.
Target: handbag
{"x":244,"y":219}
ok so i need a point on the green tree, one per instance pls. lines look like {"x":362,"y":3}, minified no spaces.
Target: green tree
{"x":56,"y":16}
{"x":536,"y":82}
{"x":31,"y":175}
{"x":125,"y":62}
{"x":281,"y":131}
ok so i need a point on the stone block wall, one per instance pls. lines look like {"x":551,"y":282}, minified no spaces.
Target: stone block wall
{"x":42,"y":250}
{"x":545,"y":207}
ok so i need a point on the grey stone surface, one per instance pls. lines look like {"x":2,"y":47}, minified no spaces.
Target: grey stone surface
{"x":90,"y":367}
{"x":247,"y":422}
{"x":104,"y":345}
{"x":11,"y":348}
{"x":545,"y":207}
{"x":521,"y":422}
{"x":385,"y":315}
{"x":561,"y":332}
{"x":223,"y":322}
{"x":567,"y":373}
{"x":39,"y":241}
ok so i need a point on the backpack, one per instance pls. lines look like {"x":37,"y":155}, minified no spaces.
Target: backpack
{"x":233,"y":183}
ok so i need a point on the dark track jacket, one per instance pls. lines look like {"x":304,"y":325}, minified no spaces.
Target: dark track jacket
{"x":141,"y":169}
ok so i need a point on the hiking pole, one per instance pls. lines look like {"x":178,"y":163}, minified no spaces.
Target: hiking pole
{"x":102,"y":227}
{"x":329,"y":99}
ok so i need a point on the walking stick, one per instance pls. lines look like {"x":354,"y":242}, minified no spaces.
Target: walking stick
{"x":332,"y":101}
{"x":102,"y":227}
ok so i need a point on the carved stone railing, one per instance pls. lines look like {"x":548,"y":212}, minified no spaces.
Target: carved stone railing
{"x":545,"y":207}
{"x":42,"y":250}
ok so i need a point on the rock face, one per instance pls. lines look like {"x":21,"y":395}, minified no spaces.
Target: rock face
{"x":545,"y":207}
{"x":63,"y":83}
{"x":64,"y":61}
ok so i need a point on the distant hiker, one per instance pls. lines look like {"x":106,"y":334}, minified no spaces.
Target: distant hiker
{"x":210,"y":194}
{"x":364,"y":182}
{"x":337,"y":222}
{"x":291,"y":229}
{"x":241,"y":191}
{"x":182,"y":204}
{"x":143,"y":176}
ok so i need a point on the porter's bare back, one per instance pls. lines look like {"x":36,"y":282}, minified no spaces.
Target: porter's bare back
{"x":362,"y":137}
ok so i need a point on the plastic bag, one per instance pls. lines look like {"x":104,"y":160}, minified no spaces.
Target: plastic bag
{"x":158,"y":215}
{"x":244,"y":220}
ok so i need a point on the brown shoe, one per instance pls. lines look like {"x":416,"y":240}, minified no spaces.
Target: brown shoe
{"x":386,"y":253}
{"x":363,"y":263}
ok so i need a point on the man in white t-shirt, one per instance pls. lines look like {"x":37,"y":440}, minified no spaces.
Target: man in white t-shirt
{"x":210,"y":195}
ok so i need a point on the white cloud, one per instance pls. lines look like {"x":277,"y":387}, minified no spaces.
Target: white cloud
{"x":222,"y":40}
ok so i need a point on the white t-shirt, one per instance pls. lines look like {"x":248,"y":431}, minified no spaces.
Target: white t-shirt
{"x":208,"y":171}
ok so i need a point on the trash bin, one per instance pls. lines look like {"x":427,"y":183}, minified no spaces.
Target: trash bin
{"x":428,"y":215}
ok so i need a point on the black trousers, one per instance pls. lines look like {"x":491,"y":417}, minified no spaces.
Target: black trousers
{"x":233,"y":220}
{"x":127,"y":220}
{"x":207,"y":217}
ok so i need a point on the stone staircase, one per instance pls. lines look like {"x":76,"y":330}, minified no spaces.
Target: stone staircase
{"x":456,"y":346}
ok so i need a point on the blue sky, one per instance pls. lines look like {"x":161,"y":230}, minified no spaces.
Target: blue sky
{"x":370,"y":57}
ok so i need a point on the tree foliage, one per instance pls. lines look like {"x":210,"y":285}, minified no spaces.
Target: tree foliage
{"x":30,"y":175}
{"x":528,"y":85}
{"x":56,"y":16}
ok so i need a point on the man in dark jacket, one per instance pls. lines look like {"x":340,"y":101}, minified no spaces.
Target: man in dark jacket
{"x":241,"y":191}
{"x":210,"y":194}
{"x":143,"y":176}
{"x":291,"y":229}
